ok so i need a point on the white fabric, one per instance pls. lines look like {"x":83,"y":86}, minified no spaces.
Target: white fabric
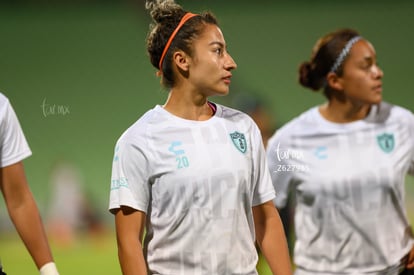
{"x":348,"y":180}
{"x":197,"y":186}
{"x":13,"y":144}
{"x":49,"y":269}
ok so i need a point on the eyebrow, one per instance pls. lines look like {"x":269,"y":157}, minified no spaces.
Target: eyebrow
{"x":369,"y":58}
{"x":217,"y":43}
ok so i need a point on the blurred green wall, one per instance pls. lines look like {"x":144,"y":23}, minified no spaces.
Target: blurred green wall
{"x":90,"y":61}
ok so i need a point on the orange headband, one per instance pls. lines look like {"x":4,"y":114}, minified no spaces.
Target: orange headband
{"x":185,"y":18}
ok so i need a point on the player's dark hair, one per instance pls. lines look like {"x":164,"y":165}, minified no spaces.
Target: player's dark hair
{"x":166,"y":15}
{"x":312,"y":73}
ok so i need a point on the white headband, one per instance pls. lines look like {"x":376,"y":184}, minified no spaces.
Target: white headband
{"x":344,"y":53}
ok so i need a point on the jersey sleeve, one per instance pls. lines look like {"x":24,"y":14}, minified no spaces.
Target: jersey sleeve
{"x":129,"y":179}
{"x":281,"y":178}
{"x":13,"y":144}
{"x":264,"y":190}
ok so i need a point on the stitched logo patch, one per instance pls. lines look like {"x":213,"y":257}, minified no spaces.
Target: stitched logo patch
{"x":386,"y":142}
{"x":239,"y":141}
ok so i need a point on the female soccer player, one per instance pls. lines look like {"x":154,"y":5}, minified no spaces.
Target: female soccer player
{"x":193,"y":174}
{"x":346,"y":161}
{"x":19,"y":200}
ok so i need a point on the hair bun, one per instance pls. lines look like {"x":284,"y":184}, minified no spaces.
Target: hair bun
{"x":307,"y":76}
{"x":163,"y":10}
{"x":304,"y":74}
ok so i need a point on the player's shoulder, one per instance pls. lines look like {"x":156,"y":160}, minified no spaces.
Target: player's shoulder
{"x":237,"y":119}
{"x":388,"y":113}
{"x":236,"y":116}
{"x":403,"y":116}
{"x":5,"y":107}
{"x":304,"y":122}
{"x":4,"y":100}
{"x":400,"y":112}
{"x":138,"y":131}
{"x":300,"y":125}
{"x":231,"y":113}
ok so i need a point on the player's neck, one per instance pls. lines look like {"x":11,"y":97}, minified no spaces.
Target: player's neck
{"x":343,"y":112}
{"x":188,"y":107}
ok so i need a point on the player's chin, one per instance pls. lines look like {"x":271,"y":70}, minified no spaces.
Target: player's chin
{"x":377,"y":99}
{"x":222,"y":91}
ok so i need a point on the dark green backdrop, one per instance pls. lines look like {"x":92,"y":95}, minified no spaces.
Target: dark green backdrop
{"x":90,"y":60}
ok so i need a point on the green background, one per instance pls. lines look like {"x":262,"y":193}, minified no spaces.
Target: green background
{"x":90,"y":59}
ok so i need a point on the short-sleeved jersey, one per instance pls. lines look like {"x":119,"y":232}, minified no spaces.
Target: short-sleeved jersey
{"x":13,"y":144}
{"x":197,"y":182}
{"x":348,"y":179}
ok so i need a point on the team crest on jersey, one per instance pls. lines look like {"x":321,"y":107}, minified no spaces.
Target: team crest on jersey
{"x":386,"y":142}
{"x":239,"y":141}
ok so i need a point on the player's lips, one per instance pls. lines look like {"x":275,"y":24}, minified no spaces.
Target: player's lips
{"x":227,"y":79}
{"x":378,"y":88}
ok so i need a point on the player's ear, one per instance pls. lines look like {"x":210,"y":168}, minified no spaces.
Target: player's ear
{"x":181,"y":60}
{"x":334,"y":81}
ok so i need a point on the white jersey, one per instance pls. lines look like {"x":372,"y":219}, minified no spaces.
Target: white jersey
{"x":13,"y":144}
{"x":197,"y":181}
{"x":348,"y":179}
